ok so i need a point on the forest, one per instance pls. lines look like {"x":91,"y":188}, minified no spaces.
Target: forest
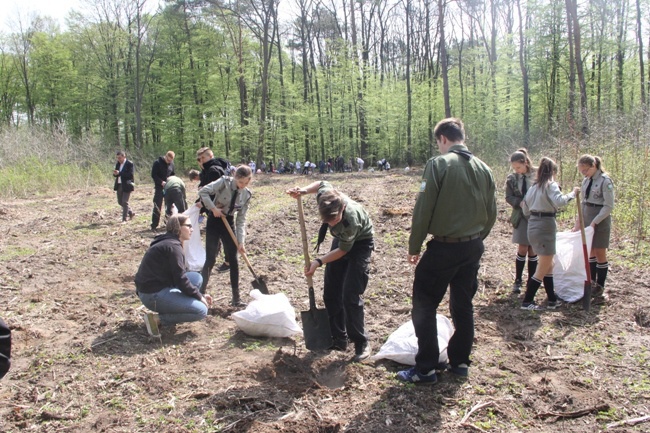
{"x":308,"y":80}
{"x":359,"y":78}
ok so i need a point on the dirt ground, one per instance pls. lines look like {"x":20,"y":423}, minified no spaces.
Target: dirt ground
{"x":83,"y":361}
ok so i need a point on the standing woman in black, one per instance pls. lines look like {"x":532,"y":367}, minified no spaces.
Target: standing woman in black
{"x":517,"y":184}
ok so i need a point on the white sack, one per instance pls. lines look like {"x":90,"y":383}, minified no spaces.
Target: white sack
{"x":268,"y":316}
{"x":194,"y":251}
{"x":569,"y":272}
{"x":402,"y":345}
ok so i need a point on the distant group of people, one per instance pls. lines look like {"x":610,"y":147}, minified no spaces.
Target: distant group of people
{"x":456,"y":205}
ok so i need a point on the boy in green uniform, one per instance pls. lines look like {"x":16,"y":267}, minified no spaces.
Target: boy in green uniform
{"x":348,"y":261}
{"x":457,"y":205}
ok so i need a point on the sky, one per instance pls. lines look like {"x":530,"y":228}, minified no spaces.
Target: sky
{"x":56,"y":9}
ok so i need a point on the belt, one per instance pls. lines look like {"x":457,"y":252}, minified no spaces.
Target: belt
{"x":593,"y":204}
{"x":543,"y":214}
{"x":448,"y":240}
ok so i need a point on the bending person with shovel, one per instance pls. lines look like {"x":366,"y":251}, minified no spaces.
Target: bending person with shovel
{"x":225,"y":197}
{"x":348,"y":261}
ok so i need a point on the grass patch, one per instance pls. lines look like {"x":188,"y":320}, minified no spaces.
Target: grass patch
{"x":14,"y":251}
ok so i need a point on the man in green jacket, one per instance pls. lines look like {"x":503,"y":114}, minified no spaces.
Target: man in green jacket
{"x":457,"y":205}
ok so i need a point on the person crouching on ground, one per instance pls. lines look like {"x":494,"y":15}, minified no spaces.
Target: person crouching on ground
{"x":348,"y":262}
{"x":162,"y":282}
{"x":540,"y":205}
{"x":226,"y":196}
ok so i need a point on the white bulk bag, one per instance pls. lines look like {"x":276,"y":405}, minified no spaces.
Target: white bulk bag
{"x":569,"y":273}
{"x":402,"y":345}
{"x":268,"y":316}
{"x":194,"y":251}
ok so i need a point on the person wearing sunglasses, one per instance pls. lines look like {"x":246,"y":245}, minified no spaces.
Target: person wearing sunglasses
{"x":162,"y":282}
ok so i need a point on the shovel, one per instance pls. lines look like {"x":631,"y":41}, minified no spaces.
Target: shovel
{"x":257,"y":283}
{"x":586,"y":297}
{"x":315,"y":322}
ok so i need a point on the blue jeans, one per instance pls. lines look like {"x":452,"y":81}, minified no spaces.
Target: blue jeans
{"x":173,"y":306}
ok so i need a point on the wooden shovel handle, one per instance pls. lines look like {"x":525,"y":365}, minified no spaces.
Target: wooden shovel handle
{"x":234,"y":239}
{"x":583,"y":236}
{"x":303,"y":235}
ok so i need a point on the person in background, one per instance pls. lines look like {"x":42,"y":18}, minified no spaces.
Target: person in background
{"x":297,"y":167}
{"x":5,"y":348}
{"x":212,"y":169}
{"x":174,"y":193}
{"x":457,"y":205}
{"x":348,"y":262}
{"x":162,"y":168}
{"x":360,"y":163}
{"x":517,"y":184}
{"x":124,"y":184}
{"x":597,"y":205}
{"x":253,"y":166}
{"x":271,"y":167}
{"x":227,"y":196}
{"x":540,"y":205}
{"x":163,"y":284}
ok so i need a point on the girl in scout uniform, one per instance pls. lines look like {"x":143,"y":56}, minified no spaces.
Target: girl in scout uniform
{"x":348,"y":262}
{"x":231,"y":196}
{"x":597,"y":204}
{"x":540,"y":205}
{"x":517,"y":185}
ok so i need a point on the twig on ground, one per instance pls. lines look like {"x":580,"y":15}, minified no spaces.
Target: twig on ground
{"x":631,"y":421}
{"x":104,"y":341}
{"x":474,"y":408}
{"x":575,"y":414}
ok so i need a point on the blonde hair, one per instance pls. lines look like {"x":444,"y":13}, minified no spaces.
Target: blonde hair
{"x":170,"y":154}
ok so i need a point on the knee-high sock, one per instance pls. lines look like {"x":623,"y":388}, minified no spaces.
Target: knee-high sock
{"x":592,"y":268}
{"x":601,"y":273}
{"x":531,"y":288}
{"x":519,"y":266}
{"x":532,"y":266}
{"x":549,"y":286}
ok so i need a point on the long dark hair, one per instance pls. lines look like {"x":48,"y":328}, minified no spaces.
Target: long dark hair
{"x":521,"y":156}
{"x":547,"y":169}
{"x":592,"y":161}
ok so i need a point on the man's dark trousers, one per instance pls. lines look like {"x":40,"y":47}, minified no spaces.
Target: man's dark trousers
{"x":445,"y":264}
{"x":157,"y":206}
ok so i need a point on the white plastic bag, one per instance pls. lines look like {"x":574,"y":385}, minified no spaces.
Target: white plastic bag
{"x":194,"y":251}
{"x":569,"y":272}
{"x":402,"y":345}
{"x":268,"y":316}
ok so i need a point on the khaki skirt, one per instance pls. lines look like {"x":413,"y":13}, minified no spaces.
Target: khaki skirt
{"x":603,"y":229}
{"x":541,"y":234}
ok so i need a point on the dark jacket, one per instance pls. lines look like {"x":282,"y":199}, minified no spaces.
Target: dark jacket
{"x":160,"y":171}
{"x":213,"y":170}
{"x":5,"y":348}
{"x":163,"y":266}
{"x":126,"y":176}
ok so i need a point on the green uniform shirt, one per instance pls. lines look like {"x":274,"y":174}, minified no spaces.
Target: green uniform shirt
{"x":355,"y":225}
{"x":174,"y":182}
{"x":457,"y":199}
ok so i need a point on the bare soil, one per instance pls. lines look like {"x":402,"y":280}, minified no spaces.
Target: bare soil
{"x":83,"y":361}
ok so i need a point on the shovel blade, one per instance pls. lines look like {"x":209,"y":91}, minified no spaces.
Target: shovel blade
{"x":316,"y":329}
{"x":586,"y":298}
{"x":261,"y":286}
